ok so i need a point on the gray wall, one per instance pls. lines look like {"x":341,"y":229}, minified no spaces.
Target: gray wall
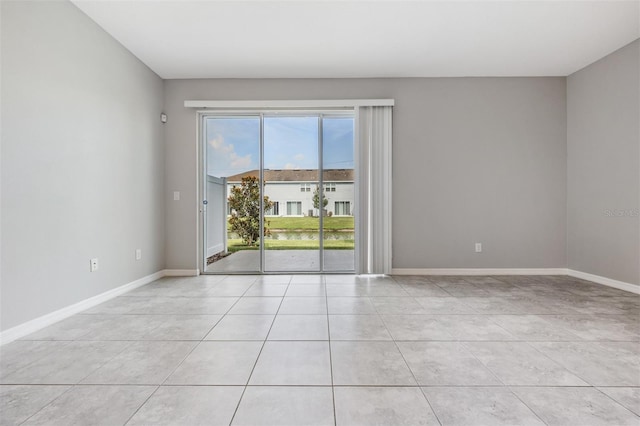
{"x":475,"y":160}
{"x":604,"y":166}
{"x":85,"y":172}
{"x":82,"y":161}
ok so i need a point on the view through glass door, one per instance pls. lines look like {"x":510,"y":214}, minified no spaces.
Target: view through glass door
{"x":279,"y":193}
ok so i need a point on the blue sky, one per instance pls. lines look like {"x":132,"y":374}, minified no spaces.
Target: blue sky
{"x":233,"y":144}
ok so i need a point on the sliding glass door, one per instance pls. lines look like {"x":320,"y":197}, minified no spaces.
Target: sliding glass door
{"x":231,"y":189}
{"x":338,"y":182}
{"x":279,"y":192}
{"x":291,"y":175}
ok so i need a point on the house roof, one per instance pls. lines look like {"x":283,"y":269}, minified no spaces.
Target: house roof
{"x":299,"y":175}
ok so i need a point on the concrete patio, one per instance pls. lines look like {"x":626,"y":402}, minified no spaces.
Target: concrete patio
{"x":285,"y":261}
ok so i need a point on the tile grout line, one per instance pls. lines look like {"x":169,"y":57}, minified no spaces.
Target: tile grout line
{"x":141,"y":405}
{"x":125,"y":347}
{"x":333,"y":391}
{"x":264,"y":342}
{"x":493,"y":373}
{"x":46,"y":405}
{"x":324,"y":386}
{"x":68,"y":342}
{"x":73,"y":385}
{"x":557,"y":362}
{"x":526,"y":405}
{"x":408,"y":367}
{"x":344,"y":340}
{"x":613,"y":399}
{"x":185,"y":357}
{"x":529,"y":342}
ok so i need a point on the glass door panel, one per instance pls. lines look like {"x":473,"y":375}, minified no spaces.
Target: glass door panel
{"x":291,"y":184}
{"x":279,"y":193}
{"x":232,"y":193}
{"x":339,"y":195}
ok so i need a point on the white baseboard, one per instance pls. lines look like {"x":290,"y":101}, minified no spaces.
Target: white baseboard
{"x":46,"y":320}
{"x":53,"y":317}
{"x":479,"y":271}
{"x":620,"y":285}
{"x":181,"y":272}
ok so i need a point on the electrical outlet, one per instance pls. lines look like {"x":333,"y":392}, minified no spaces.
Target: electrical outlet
{"x":176,"y":195}
{"x":478,"y":247}
{"x":93,"y":265}
{"x":138,"y":254}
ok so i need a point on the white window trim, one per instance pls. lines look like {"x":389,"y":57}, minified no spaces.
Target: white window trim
{"x":297,"y":203}
{"x":305,"y":187}
{"x":343,"y":206}
{"x":373,"y":138}
{"x":284,"y":104}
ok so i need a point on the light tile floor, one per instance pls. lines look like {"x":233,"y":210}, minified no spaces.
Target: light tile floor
{"x":335,"y":349}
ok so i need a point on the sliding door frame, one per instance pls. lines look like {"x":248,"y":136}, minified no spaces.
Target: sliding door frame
{"x":321,"y":114}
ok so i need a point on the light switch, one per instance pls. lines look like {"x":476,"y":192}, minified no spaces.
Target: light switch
{"x":176,"y":195}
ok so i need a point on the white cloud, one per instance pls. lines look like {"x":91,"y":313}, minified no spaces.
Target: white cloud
{"x":238,"y":162}
{"x":225,"y":156}
{"x":218,"y":144}
{"x":299,"y":157}
{"x":291,"y":166}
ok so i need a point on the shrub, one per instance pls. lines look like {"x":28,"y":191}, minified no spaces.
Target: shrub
{"x":245,"y":210}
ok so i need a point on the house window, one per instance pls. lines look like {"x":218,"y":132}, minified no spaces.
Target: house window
{"x":294,"y":208}
{"x":274,"y":210}
{"x":305,"y":187}
{"x":330,"y":187}
{"x":343,"y":208}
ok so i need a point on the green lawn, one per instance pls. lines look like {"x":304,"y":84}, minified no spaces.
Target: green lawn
{"x":301,"y":224}
{"x":234,"y":245}
{"x":308,"y":223}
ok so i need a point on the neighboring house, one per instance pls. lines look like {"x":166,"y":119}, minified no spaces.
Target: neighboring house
{"x":291,"y":191}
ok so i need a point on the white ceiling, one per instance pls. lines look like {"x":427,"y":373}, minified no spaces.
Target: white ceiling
{"x":324,"y":38}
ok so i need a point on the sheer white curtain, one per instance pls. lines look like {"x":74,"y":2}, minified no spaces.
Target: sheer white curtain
{"x":373,"y":152}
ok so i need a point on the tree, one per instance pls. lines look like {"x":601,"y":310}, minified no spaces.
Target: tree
{"x":245,"y":210}
{"x":316,"y":199}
